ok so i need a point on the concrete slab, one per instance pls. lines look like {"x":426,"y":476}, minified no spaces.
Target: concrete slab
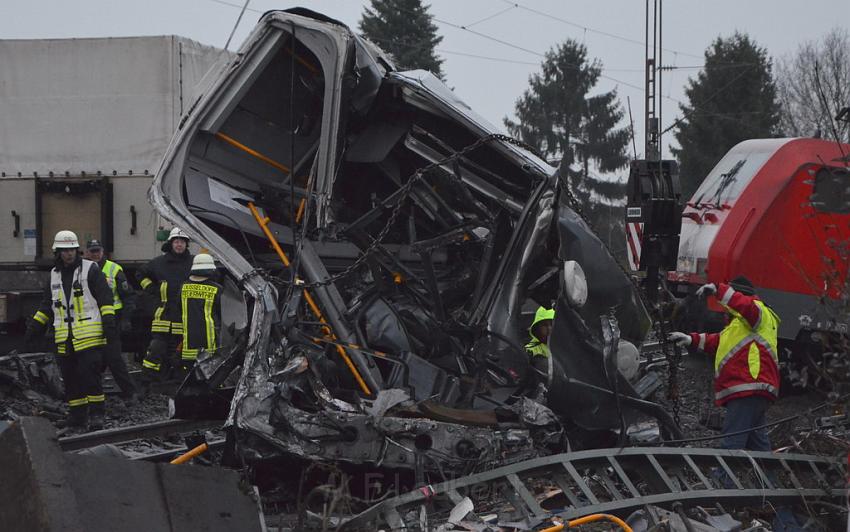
{"x":44,"y":489}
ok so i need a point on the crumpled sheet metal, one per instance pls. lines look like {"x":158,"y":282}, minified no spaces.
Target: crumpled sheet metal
{"x":537,"y":231}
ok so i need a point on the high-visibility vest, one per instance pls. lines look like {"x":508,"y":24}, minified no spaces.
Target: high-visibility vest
{"x":81,"y":315}
{"x":746,"y":361}
{"x":537,"y":348}
{"x":111,"y":270}
{"x":200,"y":318}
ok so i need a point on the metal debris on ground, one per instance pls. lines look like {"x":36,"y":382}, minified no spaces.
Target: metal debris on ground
{"x":384,"y":250}
{"x":617,"y":481}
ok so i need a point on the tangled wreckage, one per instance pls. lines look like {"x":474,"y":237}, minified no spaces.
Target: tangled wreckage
{"x":382,"y":246}
{"x":388,"y":328}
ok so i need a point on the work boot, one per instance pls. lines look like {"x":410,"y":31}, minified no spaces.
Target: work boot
{"x":131,"y":399}
{"x":75,"y":422}
{"x":96,"y":416}
{"x":180,"y":371}
{"x":144,"y":389}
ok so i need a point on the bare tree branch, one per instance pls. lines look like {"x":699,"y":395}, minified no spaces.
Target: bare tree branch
{"x":805,"y":112}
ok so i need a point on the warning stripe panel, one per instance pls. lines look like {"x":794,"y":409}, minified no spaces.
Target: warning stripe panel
{"x":634,"y":238}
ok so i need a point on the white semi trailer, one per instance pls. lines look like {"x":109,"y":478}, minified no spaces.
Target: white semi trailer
{"x":85,"y":125}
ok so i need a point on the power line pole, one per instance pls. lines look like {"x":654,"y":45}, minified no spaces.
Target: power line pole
{"x":652,"y":55}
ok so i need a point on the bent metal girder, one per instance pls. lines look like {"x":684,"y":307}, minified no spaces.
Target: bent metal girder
{"x":617,"y":481}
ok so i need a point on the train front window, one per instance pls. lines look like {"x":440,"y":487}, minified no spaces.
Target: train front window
{"x":831,"y":191}
{"x":729,"y":178}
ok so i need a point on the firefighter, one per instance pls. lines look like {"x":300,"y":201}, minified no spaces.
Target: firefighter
{"x":538,"y":347}
{"x":124,"y":302}
{"x":162,"y":277}
{"x":746,"y":371}
{"x":79,"y":305}
{"x":201,"y":302}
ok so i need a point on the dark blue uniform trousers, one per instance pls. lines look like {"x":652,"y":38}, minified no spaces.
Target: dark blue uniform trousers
{"x":742,"y":414}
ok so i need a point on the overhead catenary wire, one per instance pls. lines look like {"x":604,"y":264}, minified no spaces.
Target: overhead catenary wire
{"x":494,"y":15}
{"x":236,"y":25}
{"x":422,"y":46}
{"x":515,"y":46}
{"x":489,"y":58}
{"x":592,"y":30}
{"x":515,"y":61}
{"x":237,"y":6}
{"x":542,"y":55}
{"x":716,"y":93}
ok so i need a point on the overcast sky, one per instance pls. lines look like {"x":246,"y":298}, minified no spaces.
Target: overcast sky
{"x":613,"y":31}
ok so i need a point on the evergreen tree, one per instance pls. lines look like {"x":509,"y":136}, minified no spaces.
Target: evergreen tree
{"x":732,"y":99}
{"x":557,"y":116}
{"x":404,"y":28}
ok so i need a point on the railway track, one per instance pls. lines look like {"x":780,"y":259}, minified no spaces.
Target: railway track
{"x":156,"y":429}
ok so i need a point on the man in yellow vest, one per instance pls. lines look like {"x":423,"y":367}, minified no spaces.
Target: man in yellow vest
{"x":538,"y":346}
{"x":201,"y":305}
{"x":124,"y":302}
{"x":746,"y":370}
{"x":78,"y":303}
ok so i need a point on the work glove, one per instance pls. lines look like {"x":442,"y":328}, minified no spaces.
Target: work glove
{"x":29,"y":335}
{"x":110,"y":330}
{"x":152,"y":289}
{"x":33,"y":330}
{"x":679,"y":338}
{"x":707,"y":290}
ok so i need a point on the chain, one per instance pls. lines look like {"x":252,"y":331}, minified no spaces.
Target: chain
{"x":576,"y":206}
{"x":672,"y":354}
{"x":673,"y":358}
{"x":405,"y":193}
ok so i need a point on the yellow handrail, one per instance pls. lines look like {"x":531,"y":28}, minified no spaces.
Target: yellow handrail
{"x":263,"y":222}
{"x":236,"y":144}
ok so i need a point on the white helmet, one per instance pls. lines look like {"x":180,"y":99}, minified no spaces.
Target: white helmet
{"x":177,"y":233}
{"x":65,"y":240}
{"x":203,"y":262}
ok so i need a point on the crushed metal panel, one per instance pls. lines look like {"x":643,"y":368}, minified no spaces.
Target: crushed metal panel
{"x":414,"y":259}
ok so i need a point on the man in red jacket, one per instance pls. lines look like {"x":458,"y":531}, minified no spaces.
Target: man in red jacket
{"x":746,"y":371}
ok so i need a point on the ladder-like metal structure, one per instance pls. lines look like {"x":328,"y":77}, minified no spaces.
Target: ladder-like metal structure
{"x":616,"y":481}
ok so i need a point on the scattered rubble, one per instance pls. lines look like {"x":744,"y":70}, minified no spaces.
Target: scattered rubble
{"x":422,"y":237}
{"x":383,"y":248}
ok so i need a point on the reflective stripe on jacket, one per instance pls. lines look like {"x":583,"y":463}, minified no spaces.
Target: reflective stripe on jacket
{"x":159,"y":323}
{"x":170,"y":271}
{"x":746,"y":358}
{"x":111,"y":270}
{"x":80,"y":318}
{"x":201,"y":306}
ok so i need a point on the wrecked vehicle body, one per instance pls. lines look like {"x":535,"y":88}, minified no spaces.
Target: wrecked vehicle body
{"x":386,"y":327}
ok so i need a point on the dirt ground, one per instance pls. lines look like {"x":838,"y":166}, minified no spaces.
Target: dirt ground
{"x":699,"y":417}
